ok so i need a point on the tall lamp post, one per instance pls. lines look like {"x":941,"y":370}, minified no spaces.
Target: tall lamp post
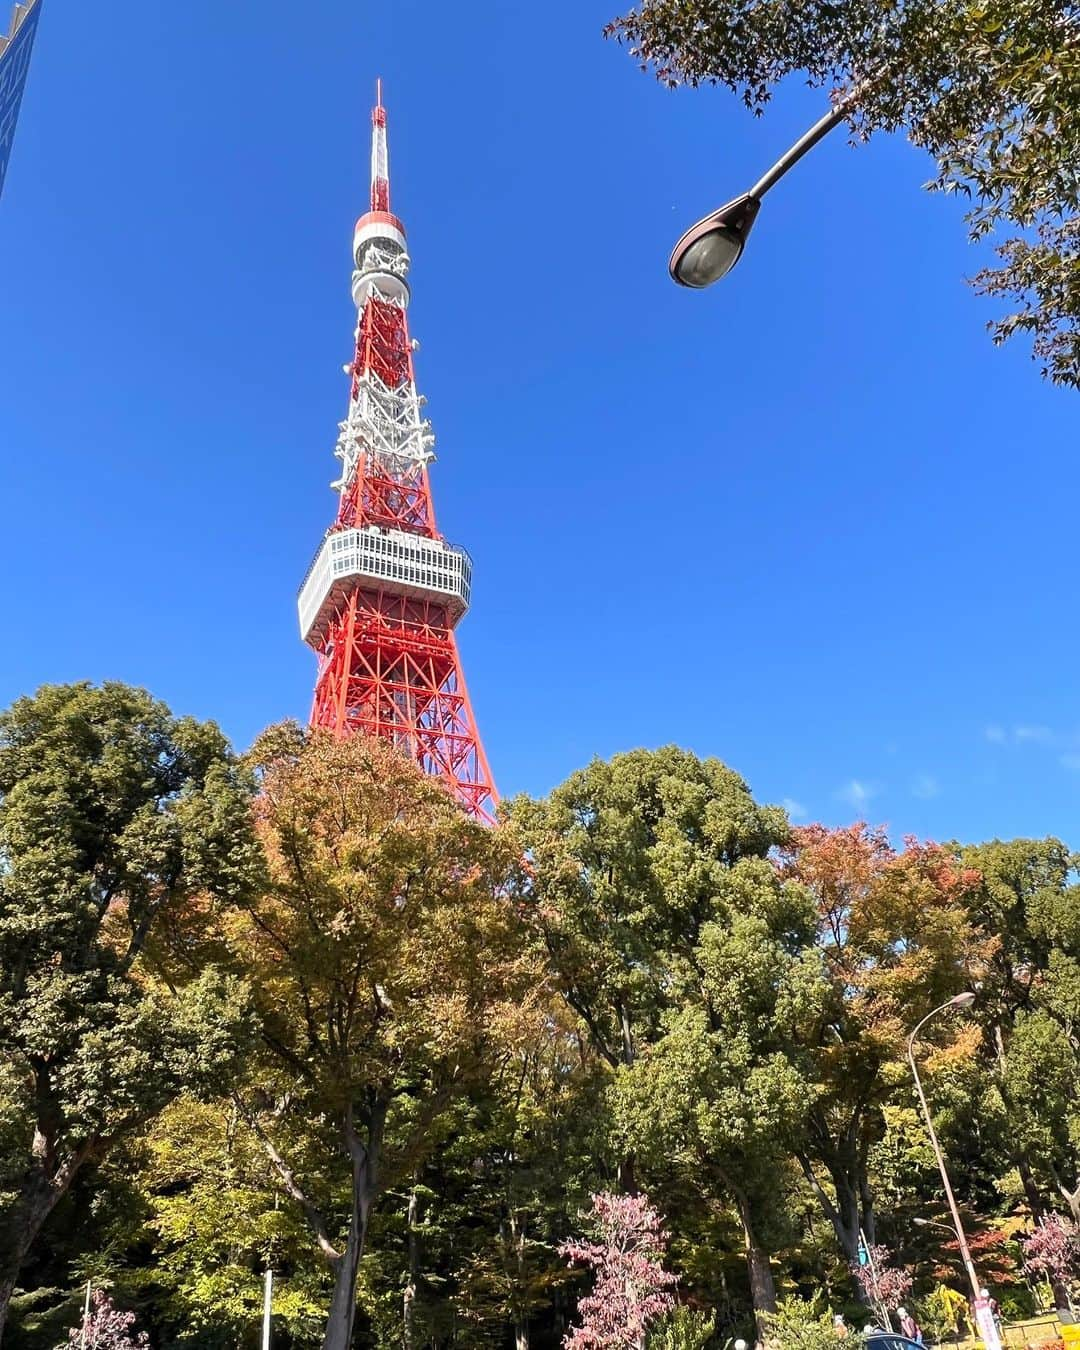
{"x":986,"y":1324}
{"x":711,"y":248}
{"x":964,"y":1000}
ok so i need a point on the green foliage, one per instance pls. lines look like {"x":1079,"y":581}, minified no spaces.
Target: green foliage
{"x":799,"y":1324}
{"x":214,"y":1218}
{"x":683,"y":1329}
{"x":389,"y":979}
{"x":116,"y":821}
{"x":644,"y":976}
{"x":941,"y":1312}
{"x":990,"y":88}
{"x":632,"y":858}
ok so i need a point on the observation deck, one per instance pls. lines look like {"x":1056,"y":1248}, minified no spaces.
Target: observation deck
{"x":388,"y":560}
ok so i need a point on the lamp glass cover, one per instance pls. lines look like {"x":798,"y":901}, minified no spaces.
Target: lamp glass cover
{"x":710,"y":257}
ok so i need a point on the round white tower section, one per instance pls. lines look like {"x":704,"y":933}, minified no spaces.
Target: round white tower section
{"x":381,"y":258}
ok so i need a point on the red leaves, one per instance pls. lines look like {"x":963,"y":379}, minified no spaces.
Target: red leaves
{"x":1053,"y":1250}
{"x":632,"y":1287}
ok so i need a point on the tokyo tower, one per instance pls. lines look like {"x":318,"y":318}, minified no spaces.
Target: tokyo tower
{"x":385,"y":591}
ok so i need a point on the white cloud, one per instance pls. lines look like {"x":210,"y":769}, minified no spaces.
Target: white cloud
{"x":795,"y":809}
{"x":1023,"y":733}
{"x":925,"y":786}
{"x":857,"y":794}
{"x":1036,"y":735}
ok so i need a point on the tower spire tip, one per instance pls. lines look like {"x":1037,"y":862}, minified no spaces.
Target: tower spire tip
{"x":380,"y":161}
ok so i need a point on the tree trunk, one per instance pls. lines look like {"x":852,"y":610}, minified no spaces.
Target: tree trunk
{"x":1072,"y":1199}
{"x":762,"y":1288}
{"x":843,"y":1215}
{"x":626,"y":1172}
{"x":365,"y":1159}
{"x":38,"y":1197}
{"x":7,"y":1288}
{"x":339,"y":1325}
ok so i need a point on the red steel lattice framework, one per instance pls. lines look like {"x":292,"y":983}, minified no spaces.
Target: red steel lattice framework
{"x":385,"y":591}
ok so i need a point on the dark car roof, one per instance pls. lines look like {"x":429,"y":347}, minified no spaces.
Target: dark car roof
{"x":890,"y":1340}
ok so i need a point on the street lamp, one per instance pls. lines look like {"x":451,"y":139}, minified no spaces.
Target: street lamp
{"x":712,"y":247}
{"x":964,"y":1000}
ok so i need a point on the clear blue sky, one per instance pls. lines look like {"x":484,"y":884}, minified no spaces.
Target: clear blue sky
{"x":810,"y":522}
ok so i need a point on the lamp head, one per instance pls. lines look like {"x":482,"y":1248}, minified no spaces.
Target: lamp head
{"x":712,"y":247}
{"x":964,"y":1000}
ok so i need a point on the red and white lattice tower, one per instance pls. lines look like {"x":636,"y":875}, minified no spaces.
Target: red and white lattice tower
{"x":385,"y":591}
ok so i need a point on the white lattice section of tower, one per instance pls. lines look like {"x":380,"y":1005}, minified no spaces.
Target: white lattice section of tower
{"x":386,"y":424}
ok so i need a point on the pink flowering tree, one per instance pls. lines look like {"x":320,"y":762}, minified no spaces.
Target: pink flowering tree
{"x":106,"y":1328}
{"x":632,"y":1287}
{"x":883,"y":1284}
{"x":1053,"y":1251}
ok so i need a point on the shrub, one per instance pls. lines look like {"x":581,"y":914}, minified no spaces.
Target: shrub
{"x":797,"y":1325}
{"x":682,"y":1329}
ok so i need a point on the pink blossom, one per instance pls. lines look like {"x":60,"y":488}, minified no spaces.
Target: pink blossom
{"x":107,"y":1328}
{"x":882,"y":1284}
{"x":1053,"y":1250}
{"x":632,"y":1287}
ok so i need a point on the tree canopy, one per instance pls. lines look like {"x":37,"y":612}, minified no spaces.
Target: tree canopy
{"x":386,"y":975}
{"x":114,"y":818}
{"x":645,"y":984}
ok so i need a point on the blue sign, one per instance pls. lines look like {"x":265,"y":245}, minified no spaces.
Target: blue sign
{"x":14,"y":63}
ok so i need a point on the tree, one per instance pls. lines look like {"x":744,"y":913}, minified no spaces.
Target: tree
{"x":115,"y":817}
{"x":212,"y":1225}
{"x":722,"y":1093}
{"x":627,"y":858}
{"x":990,"y":88}
{"x":632,"y":1287}
{"x":387,"y":972}
{"x":682,"y":1329}
{"x":1053,"y":1250}
{"x":897,"y":938}
{"x":533,"y":1154}
{"x":1027,"y":909}
{"x":882,"y":1283}
{"x":670,"y":934}
{"x":106,"y":1328}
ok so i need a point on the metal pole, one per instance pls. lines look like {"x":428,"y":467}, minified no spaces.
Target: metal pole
{"x":965,"y":1250}
{"x":268,"y":1293}
{"x":86,"y":1315}
{"x":805,"y":143}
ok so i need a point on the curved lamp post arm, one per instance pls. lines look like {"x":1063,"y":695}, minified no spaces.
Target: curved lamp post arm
{"x":961,"y":1000}
{"x":712,"y":246}
{"x":805,"y":143}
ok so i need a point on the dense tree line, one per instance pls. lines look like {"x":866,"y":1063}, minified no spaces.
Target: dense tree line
{"x":294,"y":1010}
